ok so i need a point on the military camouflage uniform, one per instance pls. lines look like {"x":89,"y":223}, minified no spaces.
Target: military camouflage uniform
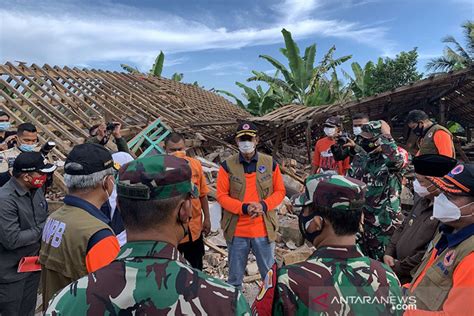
{"x":325,"y":283}
{"x":150,"y":277}
{"x":320,"y":284}
{"x":382,"y":172}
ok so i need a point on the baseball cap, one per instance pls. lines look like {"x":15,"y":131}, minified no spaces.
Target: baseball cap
{"x":155,"y":178}
{"x":32,"y":161}
{"x":334,"y":192}
{"x":433,"y":165}
{"x":246,"y":128}
{"x":372,"y":129}
{"x":88,"y":159}
{"x":459,"y":181}
{"x":333,"y":121}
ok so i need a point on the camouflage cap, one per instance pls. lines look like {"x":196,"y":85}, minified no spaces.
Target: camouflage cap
{"x":372,"y":129}
{"x":155,"y":178}
{"x":334,"y":192}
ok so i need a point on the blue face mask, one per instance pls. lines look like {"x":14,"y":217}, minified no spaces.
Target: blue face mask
{"x":26,"y":147}
{"x":4,"y":126}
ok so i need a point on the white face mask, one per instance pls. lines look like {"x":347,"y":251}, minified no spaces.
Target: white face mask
{"x":246,"y":147}
{"x":419,"y":189}
{"x":357,"y":130}
{"x":446,"y":211}
{"x":330,"y":131}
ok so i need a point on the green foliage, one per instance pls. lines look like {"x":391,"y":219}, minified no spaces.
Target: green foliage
{"x":130,"y":69}
{"x":302,"y":80}
{"x":456,"y":57}
{"x":391,"y":73}
{"x":158,"y":65}
{"x":260,"y":102}
{"x":385,"y":75}
{"x":362,"y":82}
{"x":177,"y":77}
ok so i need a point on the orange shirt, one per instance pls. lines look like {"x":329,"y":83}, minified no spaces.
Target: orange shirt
{"x":198,"y":178}
{"x":102,"y":253}
{"x":247,"y":226}
{"x":461,"y":293}
{"x":324,"y":159}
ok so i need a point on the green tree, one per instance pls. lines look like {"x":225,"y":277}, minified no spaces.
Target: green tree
{"x":302,"y":79}
{"x":361,"y":83}
{"x":456,"y":57}
{"x":259,"y":102}
{"x":391,"y":73}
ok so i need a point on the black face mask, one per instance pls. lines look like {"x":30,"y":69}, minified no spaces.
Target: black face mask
{"x":303,"y":220}
{"x":418,"y":130}
{"x":368,"y":145}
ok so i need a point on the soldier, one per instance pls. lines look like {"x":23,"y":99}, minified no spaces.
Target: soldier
{"x":150,"y":276}
{"x":379,"y":164}
{"x":337,"y":270}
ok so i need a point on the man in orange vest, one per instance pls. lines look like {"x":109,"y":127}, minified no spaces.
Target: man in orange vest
{"x":192,"y":246}
{"x":444,"y":282}
{"x":249,"y":188}
{"x":433,"y":138}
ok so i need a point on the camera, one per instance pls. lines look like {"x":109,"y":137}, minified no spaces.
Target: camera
{"x":110,"y":126}
{"x":343,"y":139}
{"x":46,"y":149}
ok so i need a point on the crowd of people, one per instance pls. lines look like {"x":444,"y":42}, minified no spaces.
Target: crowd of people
{"x":129,"y":238}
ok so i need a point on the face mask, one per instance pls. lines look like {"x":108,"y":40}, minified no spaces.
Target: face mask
{"x":179,"y":154}
{"x":303,"y":223}
{"x":329,"y":131}
{"x":446,"y":211}
{"x":246,"y":147}
{"x":357,"y":130}
{"x":418,"y":130}
{"x":104,"y":185}
{"x":419,"y":189}
{"x":368,"y":145}
{"x":26,"y":147}
{"x":4,"y":126}
{"x":38,"y":182}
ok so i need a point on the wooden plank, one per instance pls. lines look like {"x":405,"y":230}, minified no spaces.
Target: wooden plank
{"x":215,"y":248}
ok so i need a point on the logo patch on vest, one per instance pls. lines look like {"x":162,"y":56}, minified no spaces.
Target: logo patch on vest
{"x":262,"y":169}
{"x":449,"y":258}
{"x":430,"y":135}
{"x":457,"y":170}
{"x":246,"y":126}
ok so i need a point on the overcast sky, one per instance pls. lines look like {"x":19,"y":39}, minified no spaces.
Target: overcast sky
{"x":218,"y":42}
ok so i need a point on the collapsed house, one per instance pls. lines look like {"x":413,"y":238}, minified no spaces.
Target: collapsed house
{"x":64,"y":102}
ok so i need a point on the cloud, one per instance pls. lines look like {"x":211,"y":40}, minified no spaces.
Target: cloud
{"x":220,"y":66}
{"x":72,"y":35}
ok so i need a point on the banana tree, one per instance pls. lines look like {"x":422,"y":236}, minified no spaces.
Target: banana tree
{"x":302,"y":78}
{"x":361,"y":83}
{"x":157,"y":68}
{"x":260,"y":102}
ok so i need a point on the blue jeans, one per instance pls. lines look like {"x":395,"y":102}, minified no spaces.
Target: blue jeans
{"x":239,"y":250}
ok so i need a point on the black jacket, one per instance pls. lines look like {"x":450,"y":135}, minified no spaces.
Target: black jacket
{"x":22,"y":217}
{"x":408,"y":243}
